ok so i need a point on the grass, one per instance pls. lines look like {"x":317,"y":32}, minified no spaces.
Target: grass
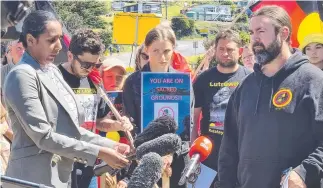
{"x":172,"y":11}
{"x":207,"y":25}
{"x":126,"y":48}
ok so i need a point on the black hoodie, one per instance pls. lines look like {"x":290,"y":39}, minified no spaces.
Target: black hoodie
{"x":273,"y":123}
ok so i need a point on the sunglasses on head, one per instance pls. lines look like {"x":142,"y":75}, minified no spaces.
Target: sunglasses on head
{"x":144,"y":56}
{"x":87,"y":65}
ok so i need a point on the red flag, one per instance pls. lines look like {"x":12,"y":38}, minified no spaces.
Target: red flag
{"x":305,"y":17}
{"x":179,"y":63}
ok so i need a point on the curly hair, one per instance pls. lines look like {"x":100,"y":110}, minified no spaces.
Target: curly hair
{"x":86,"y":40}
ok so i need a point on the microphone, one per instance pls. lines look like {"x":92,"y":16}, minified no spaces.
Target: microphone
{"x":156,"y":128}
{"x":148,"y":172}
{"x":199,"y":151}
{"x":163,"y":145}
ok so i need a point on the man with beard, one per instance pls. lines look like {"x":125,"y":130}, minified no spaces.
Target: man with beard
{"x":274,"y":119}
{"x":213,"y":88}
{"x":84,"y":55}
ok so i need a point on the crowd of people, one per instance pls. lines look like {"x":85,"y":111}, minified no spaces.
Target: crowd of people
{"x":264,"y":116}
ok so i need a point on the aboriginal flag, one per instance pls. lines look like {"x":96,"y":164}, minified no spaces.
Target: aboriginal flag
{"x":306,"y":16}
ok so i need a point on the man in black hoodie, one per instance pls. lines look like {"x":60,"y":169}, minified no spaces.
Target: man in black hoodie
{"x":274,"y":119}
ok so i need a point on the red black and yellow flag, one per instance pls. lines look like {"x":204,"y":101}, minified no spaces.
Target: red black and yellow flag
{"x":306,"y":16}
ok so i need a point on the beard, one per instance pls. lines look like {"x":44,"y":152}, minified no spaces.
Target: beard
{"x":77,"y":73}
{"x":229,"y":64}
{"x":266,"y":55}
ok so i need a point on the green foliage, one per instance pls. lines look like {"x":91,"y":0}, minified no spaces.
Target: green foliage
{"x":199,"y":60}
{"x":183,"y":26}
{"x":243,"y":19}
{"x":245,"y":37}
{"x":106,"y":37}
{"x":77,"y":14}
{"x":234,"y":8}
{"x":85,"y":14}
{"x":226,"y":2}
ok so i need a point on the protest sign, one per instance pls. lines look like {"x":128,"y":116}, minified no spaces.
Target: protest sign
{"x":166,"y":94}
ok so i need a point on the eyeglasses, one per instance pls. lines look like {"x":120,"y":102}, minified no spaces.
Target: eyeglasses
{"x":144,"y":56}
{"x":248,"y":57}
{"x":87,"y":65}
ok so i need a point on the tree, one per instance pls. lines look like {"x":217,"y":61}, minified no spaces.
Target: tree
{"x":76,"y":14}
{"x":243,"y":18}
{"x":183,"y":26}
{"x":245,"y":37}
{"x":234,"y":8}
{"x":106,"y":35}
{"x":85,"y":14}
{"x":226,"y":2}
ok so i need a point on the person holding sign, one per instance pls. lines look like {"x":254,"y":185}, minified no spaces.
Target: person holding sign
{"x":84,"y":55}
{"x":213,"y":88}
{"x":113,"y":77}
{"x":159,"y":46}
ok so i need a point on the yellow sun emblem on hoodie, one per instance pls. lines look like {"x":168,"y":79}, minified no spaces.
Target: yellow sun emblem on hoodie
{"x":282,"y":98}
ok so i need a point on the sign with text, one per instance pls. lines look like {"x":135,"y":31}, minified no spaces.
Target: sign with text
{"x":166,"y":94}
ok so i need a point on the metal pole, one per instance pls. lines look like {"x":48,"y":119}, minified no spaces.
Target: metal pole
{"x":23,"y":183}
{"x":136,"y":30}
{"x":166,"y":10}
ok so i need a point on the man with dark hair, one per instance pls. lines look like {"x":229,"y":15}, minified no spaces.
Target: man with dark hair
{"x":83,"y":56}
{"x":213,"y":88}
{"x":273,"y":128}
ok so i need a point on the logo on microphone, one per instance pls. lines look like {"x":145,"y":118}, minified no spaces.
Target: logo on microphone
{"x":282,"y":98}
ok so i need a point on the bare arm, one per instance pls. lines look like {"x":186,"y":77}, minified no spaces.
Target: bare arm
{"x":107,"y":124}
{"x":194,"y":133}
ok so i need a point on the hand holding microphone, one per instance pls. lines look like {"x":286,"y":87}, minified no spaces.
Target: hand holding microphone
{"x":199,"y":151}
{"x":113,"y":158}
{"x":153,"y":139}
{"x":164,"y":145}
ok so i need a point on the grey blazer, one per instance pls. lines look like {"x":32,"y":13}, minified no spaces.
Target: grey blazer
{"x":43,"y":126}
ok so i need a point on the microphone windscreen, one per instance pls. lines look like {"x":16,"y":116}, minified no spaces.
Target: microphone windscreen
{"x":163,"y":145}
{"x":203,"y":146}
{"x":148,"y":172}
{"x":156,"y":128}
